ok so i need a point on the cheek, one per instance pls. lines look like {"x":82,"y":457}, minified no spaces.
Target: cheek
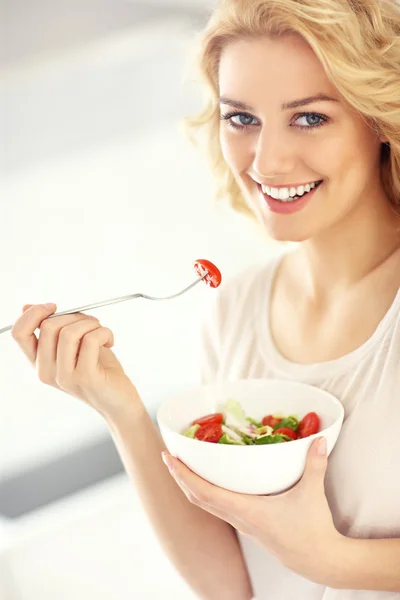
{"x":352,"y":147}
{"x":234,"y":152}
{"x":329,"y":159}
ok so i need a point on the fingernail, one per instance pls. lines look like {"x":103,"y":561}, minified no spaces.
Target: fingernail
{"x":321,"y":449}
{"x":50,"y":306}
{"x":167,"y":460}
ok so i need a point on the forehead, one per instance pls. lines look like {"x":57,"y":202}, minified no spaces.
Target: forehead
{"x":258,"y":66}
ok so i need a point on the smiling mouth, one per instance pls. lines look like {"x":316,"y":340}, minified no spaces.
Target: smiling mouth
{"x":291,"y":198}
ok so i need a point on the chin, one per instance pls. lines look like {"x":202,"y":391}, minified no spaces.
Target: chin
{"x":283,"y":232}
{"x":281,"y":228}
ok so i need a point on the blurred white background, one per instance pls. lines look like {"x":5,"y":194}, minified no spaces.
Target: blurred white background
{"x":102,"y":196}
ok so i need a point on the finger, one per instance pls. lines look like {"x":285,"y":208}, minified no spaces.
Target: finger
{"x":207,"y":495}
{"x":213,"y":510}
{"x":232,"y":519}
{"x":69,"y":346}
{"x":25,"y":307}
{"x":24,"y":328}
{"x":46,"y":359}
{"x":89,"y":353}
{"x":316,"y":462}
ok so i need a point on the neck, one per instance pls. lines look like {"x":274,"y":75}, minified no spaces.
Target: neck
{"x":352,"y":249}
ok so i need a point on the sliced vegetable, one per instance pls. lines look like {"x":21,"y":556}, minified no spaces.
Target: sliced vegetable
{"x":234,"y":435}
{"x":190,"y":433}
{"x":271,"y":421}
{"x":212,"y":274}
{"x":248,"y":440}
{"x":254,"y":422}
{"x":291,"y":422}
{"x":213,"y":418}
{"x":309,"y":425}
{"x":286,"y":431}
{"x":272,"y":439}
{"x":209,"y":433}
{"x":234,"y":414}
{"x":225,"y":439}
{"x":265,"y":429}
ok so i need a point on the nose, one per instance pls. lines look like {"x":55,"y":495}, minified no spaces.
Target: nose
{"x":274,"y":154}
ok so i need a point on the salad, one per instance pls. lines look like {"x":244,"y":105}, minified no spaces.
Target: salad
{"x":232,"y":426}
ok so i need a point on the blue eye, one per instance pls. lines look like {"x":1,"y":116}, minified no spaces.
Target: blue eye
{"x":310,"y":116}
{"x":243,"y":120}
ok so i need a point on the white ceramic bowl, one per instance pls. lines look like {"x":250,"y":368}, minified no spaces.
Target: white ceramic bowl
{"x":263,"y":469}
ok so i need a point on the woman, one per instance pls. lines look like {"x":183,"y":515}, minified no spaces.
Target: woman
{"x":303,"y":129}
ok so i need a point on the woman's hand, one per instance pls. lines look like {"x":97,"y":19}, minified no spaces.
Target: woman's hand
{"x":73,"y":354}
{"x":296,"y":526}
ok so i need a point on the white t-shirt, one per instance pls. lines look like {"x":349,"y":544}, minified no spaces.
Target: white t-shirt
{"x":363,"y":476}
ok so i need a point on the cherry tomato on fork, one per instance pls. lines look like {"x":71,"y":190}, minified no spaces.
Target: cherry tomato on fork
{"x":208,"y":419}
{"x":308,"y":425}
{"x":213,"y":277}
{"x":211,"y":432}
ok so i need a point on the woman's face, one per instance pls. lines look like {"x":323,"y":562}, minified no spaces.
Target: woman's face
{"x":266,"y":143}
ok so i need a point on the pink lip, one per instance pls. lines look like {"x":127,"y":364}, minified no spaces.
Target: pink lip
{"x":285,"y":208}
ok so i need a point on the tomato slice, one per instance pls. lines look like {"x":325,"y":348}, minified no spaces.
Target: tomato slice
{"x":213,"y":277}
{"x":211,"y":432}
{"x":308,"y":425}
{"x":287,"y":431}
{"x":213,"y":418}
{"x":271,"y":421}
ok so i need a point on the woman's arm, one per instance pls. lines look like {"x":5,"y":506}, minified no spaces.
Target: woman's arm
{"x":203,"y":548}
{"x":365,"y":564}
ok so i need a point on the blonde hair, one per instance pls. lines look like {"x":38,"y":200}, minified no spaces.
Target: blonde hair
{"x":364,"y":66}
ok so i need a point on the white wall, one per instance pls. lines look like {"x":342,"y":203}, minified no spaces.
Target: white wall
{"x":100,"y":221}
{"x":101,"y":197}
{"x":100,"y":226}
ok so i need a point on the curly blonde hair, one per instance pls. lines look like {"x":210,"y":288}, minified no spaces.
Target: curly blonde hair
{"x":356,"y":41}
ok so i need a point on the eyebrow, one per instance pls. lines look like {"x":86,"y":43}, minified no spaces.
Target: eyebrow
{"x":285,"y":106}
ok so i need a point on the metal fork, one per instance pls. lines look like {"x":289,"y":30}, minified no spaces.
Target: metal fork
{"x":114,"y":301}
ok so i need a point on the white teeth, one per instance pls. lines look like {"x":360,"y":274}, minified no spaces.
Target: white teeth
{"x":287,"y":194}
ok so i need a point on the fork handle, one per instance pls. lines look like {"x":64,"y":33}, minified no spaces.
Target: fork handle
{"x":113,"y":301}
{"x":71,"y":311}
{"x":82,"y":308}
